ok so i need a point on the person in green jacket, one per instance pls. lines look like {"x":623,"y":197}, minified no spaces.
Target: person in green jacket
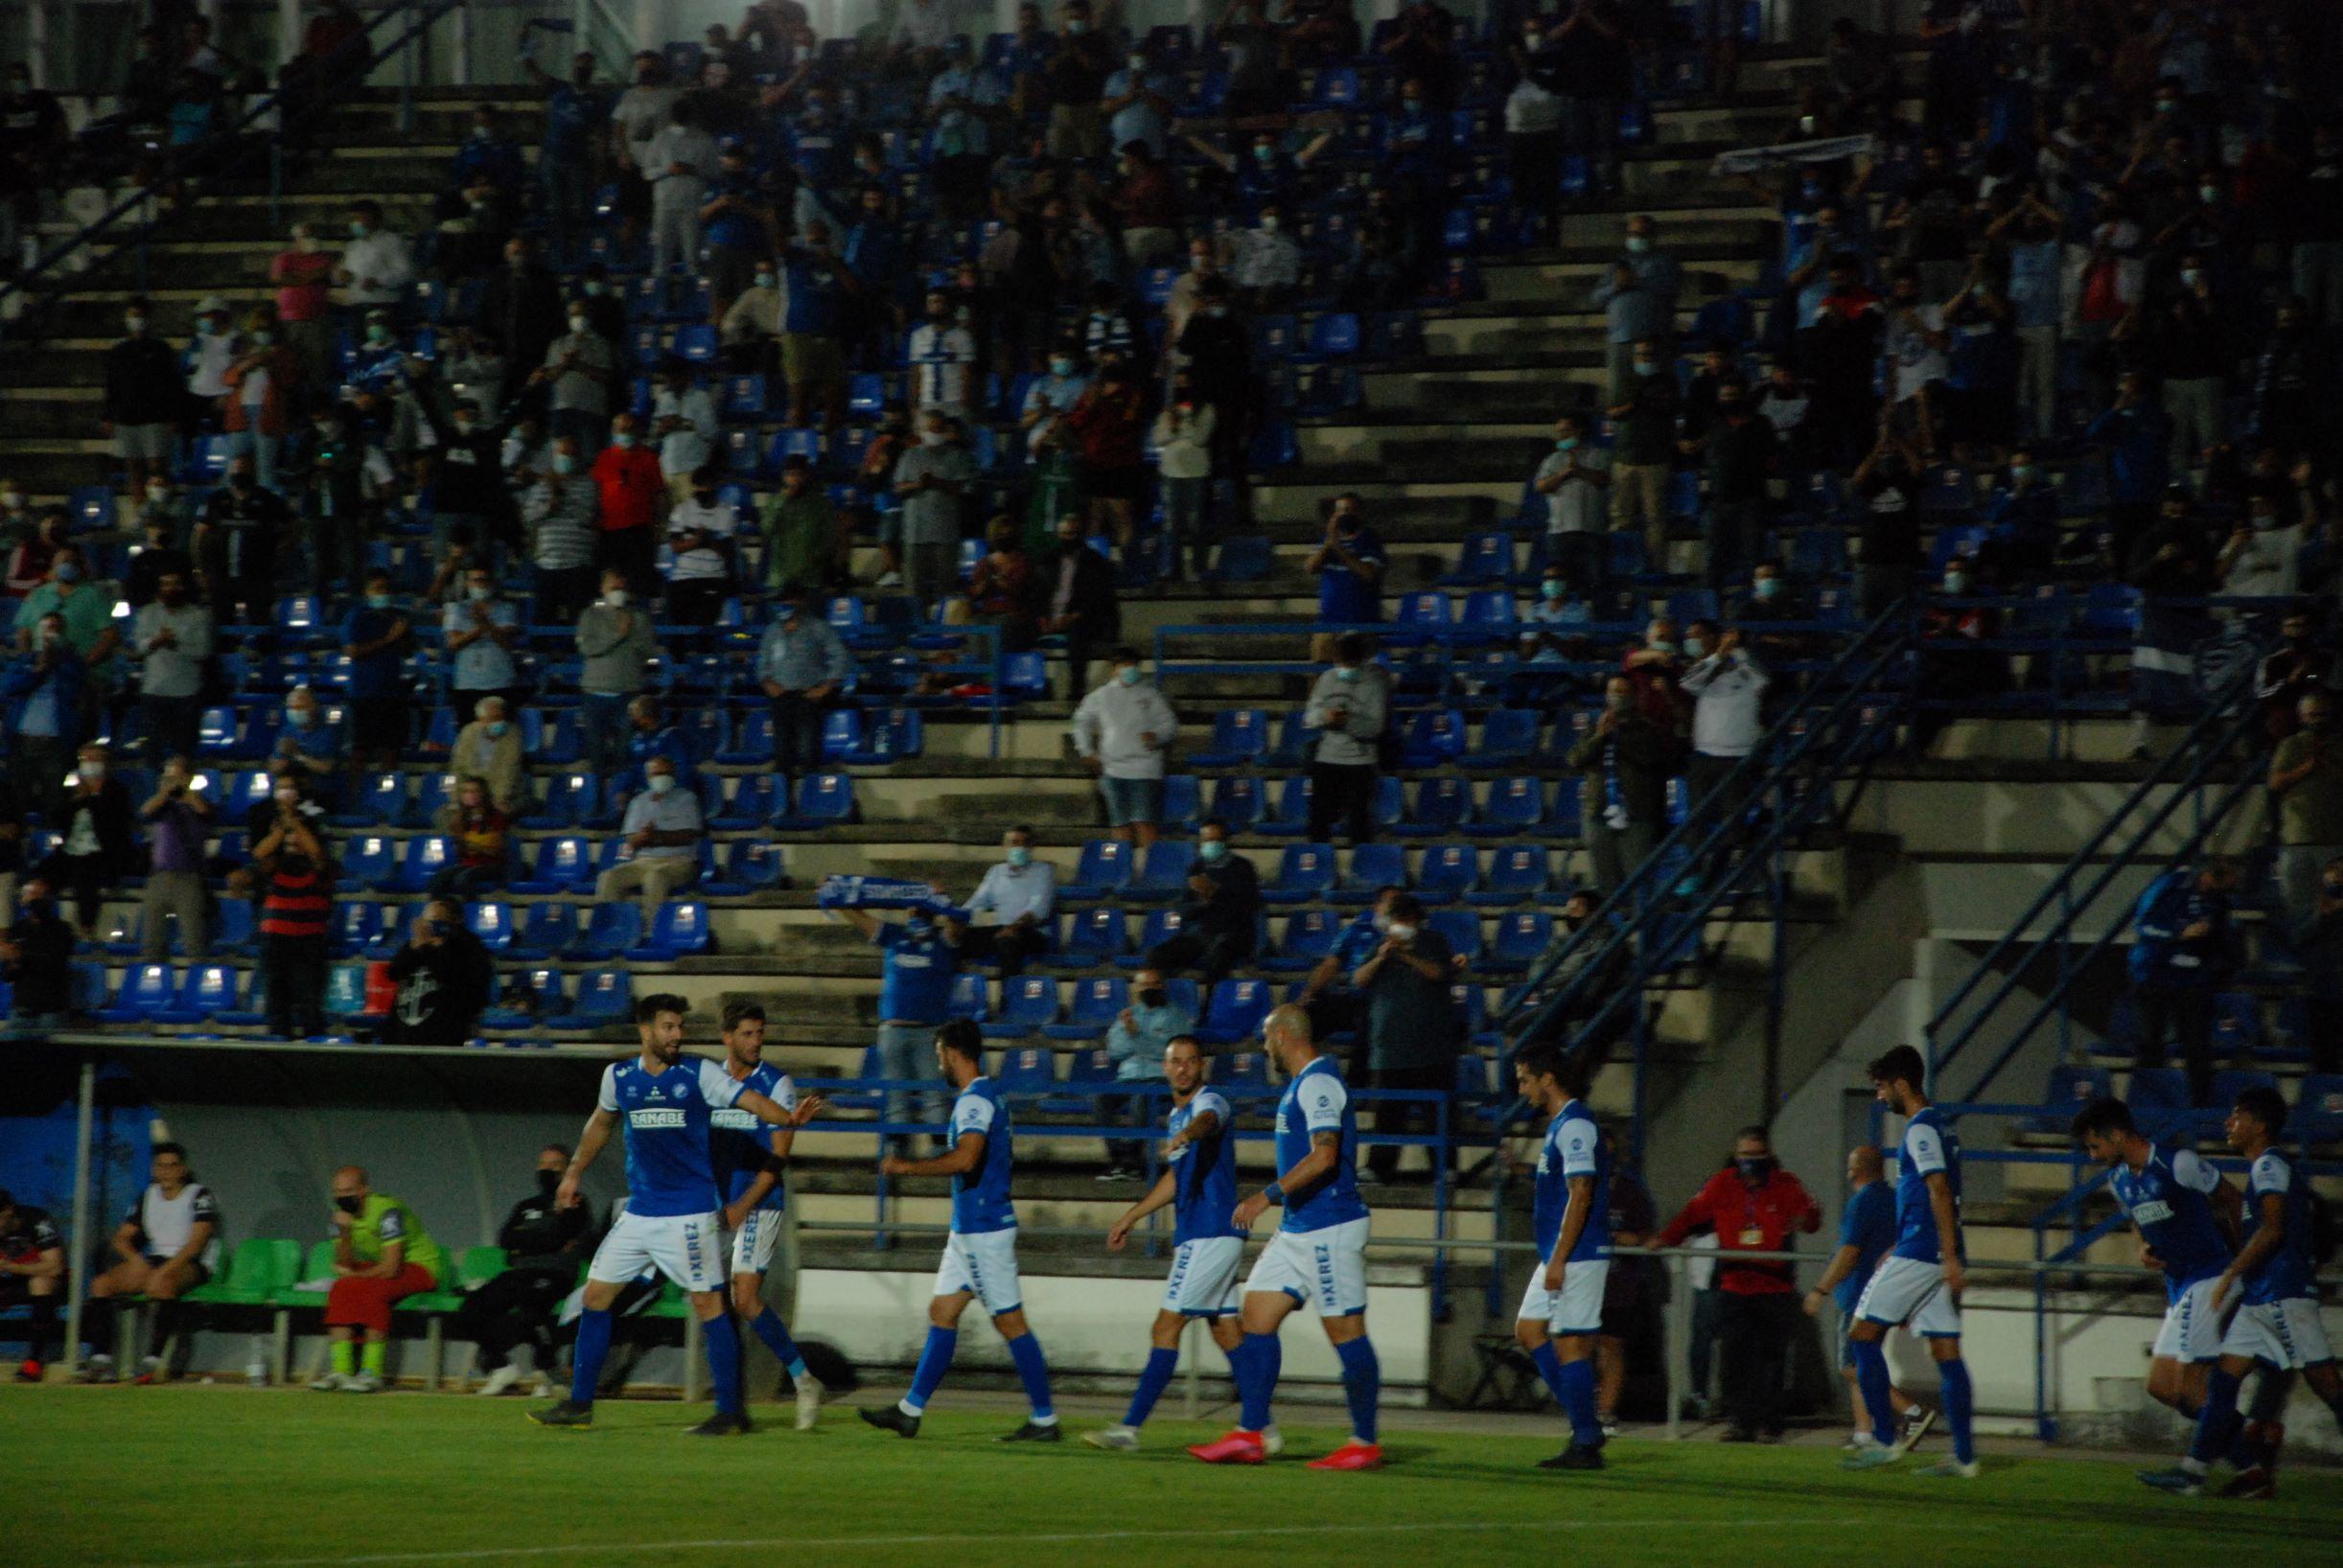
{"x":382,"y":1256}
{"x":803,"y":542}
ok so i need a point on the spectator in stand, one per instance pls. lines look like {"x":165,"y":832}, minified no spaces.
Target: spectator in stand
{"x":1349,"y":564}
{"x":1888,"y":540}
{"x":520,"y":309}
{"x":2293,"y":388}
{"x":545,"y":1245}
{"x":567,"y":163}
{"x":2023,"y":519}
{"x":1637,"y":299}
{"x":1147,"y":202}
{"x":1739,"y":455}
{"x":1136,"y":1043}
{"x":1412,"y":1037}
{"x":382,"y":1256}
{"x":1624,"y":802}
{"x":1839,"y":351}
{"x":1075,"y":81}
{"x":750,"y":329}
{"x":577,"y":374}
{"x":1384,"y":268}
{"x":1644,"y":449}
{"x":2319,"y":943}
{"x":1575,"y":478}
{"x":170,"y":639}
{"x":445,"y":975}
{"x":1267,"y":262}
{"x":1752,"y":1206}
{"x":802,"y":666}
{"x":481,"y":630}
{"x":163,"y":513}
{"x":265,"y":386}
{"x":684,"y":423}
{"x":633,"y":499}
{"x":639,"y":114}
{"x":918,"y":960}
{"x":34,"y":556}
{"x":85,"y":608}
{"x":650,"y":735}
{"x":142,"y":400}
{"x":304,"y":278}
{"x":1349,"y":707}
{"x":1108,"y":424}
{"x":295,"y":882}
{"x":812,"y":357}
{"x":806,"y":542}
{"x":942,"y":352}
{"x":741,"y":227}
{"x":375,"y":636}
{"x":95,"y":813}
{"x":1218,"y":353}
{"x":32,"y":1268}
{"x":2263,"y":557}
{"x":615,"y":641}
{"x":2137,"y":435}
{"x":1533,"y":124}
{"x":215,"y":345}
{"x":1001,"y":589}
{"x":679,"y":163}
{"x":1913,"y":347}
{"x":2293,"y":670}
{"x":560,"y":513}
{"x":306,"y":743}
{"x":1080,"y":605}
{"x":1219,"y":919}
{"x":1183,"y":439}
{"x":2183,"y":953}
{"x":2193,"y":351}
{"x":36,"y":961}
{"x":377,"y":265}
{"x":964,"y":100}
{"x":700,"y":536}
{"x":1866,"y":1233}
{"x":488,"y":749}
{"x":662,"y":833}
{"x":482,"y":834}
{"x":1727,"y":688}
{"x":1106,"y":331}
{"x":177,"y":819}
{"x":931,"y":479}
{"x":1021,"y":895}
{"x":472,"y":506}
{"x":2306,"y":785}
{"x":1121,"y":730}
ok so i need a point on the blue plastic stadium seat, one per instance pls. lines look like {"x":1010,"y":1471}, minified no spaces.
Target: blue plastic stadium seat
{"x":823,"y":800}
{"x":1308,"y":937}
{"x":1103,"y":870}
{"x":1447,"y":872}
{"x":1096,"y":1004}
{"x":548,"y":931}
{"x":1442,"y":804}
{"x":1305,"y":873}
{"x":613,"y":931}
{"x":1159,"y":927}
{"x":1163,"y":874}
{"x":1461,"y":929}
{"x":1520,"y":938}
{"x":1094,"y":937}
{"x":1373,"y":866}
{"x":1235,"y":1012}
{"x":1239,"y":737}
{"x":1028,"y":1003}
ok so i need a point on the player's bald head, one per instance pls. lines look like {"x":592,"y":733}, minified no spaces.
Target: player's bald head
{"x":1864,"y":1163}
{"x":1286,"y":1031}
{"x":350,"y":1179}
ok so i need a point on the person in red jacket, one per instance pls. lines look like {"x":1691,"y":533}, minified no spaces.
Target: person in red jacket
{"x":1754,"y":1206}
{"x":633,"y":504}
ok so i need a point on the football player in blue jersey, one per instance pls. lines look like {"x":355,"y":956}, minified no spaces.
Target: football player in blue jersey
{"x":1561,"y":1311}
{"x":673,"y":1220}
{"x":1199,"y":1183}
{"x":2186,"y":1216}
{"x":1318,"y":1257}
{"x":2273,"y":1282}
{"x":980,"y":1257}
{"x":1918,"y":1284}
{"x":750,"y":1163}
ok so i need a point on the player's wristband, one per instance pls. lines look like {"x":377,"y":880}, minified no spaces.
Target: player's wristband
{"x":1275,"y":1193}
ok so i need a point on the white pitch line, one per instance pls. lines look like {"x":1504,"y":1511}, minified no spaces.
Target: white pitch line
{"x":605,"y":1547}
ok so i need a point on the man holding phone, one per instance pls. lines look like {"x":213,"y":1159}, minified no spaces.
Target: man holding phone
{"x":177,"y":817}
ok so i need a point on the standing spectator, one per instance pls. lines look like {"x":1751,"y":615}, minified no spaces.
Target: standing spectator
{"x":1574,"y":479}
{"x":2293,"y":388}
{"x":163,"y":516}
{"x":543,"y":1244}
{"x":1739,"y":455}
{"x":374,"y":637}
{"x":701,"y":531}
{"x":1644,"y":449}
{"x":806,"y":542}
{"x":481,"y":630}
{"x":304,"y":278}
{"x":1136,"y":1043}
{"x":1021,"y":895}
{"x":236,"y":544}
{"x":942,"y":352}
{"x":265,"y":386}
{"x":1108,"y":424}
{"x":578,"y":371}
{"x":1413,"y":1034}
{"x":482,"y":835}
{"x":488,"y":747}
{"x":1267,"y":264}
{"x":663,"y":832}
{"x":1121,"y":730}
{"x":1533,"y":127}
{"x":684,"y":423}
{"x":1075,"y":79}
{"x":2298,"y":666}
{"x":1081,"y":605}
{"x":561,"y":512}
{"x":642,"y":112}
{"x":1220,"y":918}
{"x":1637,"y":299}
{"x":740,"y":226}
{"x":633,"y":501}
{"x":931,"y":479}
{"x":2307,"y":782}
{"x":445,"y":977}
{"x":142,"y":396}
{"x":377,"y":265}
{"x":296,"y":887}
{"x":1624,"y":804}
{"x":963,"y":101}
{"x":2136,"y":436}
{"x":36,"y":961}
{"x":802,"y":665}
{"x":1183,"y":464}
{"x":94,"y":812}
{"x":49,"y":697}
{"x":171,"y":641}
{"x":2263,"y":557}
{"x":1913,"y":347}
{"x":1727,"y":688}
{"x":1866,"y":1233}
{"x":918,"y":960}
{"x":1349,"y":564}
{"x":1752,"y":1206}
{"x":2182,"y":955}
{"x":2023,"y":517}
{"x":813,"y":327}
{"x":2319,"y":942}
{"x":178,"y":818}
{"x":1349,"y":706}
{"x":679,"y":163}
{"x":2194,"y":349}
{"x":1888,"y":538}
{"x":576,"y":112}
{"x":472,"y":505}
{"x":1147,"y":203}
{"x":613,"y":639}
{"x":215,"y":345}
{"x":382,"y":1256}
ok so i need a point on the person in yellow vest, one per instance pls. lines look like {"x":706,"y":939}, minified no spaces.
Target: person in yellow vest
{"x":381,"y":1255}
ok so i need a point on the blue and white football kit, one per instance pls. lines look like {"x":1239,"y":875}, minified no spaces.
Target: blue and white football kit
{"x":738,"y":1146}
{"x":671,"y":1221}
{"x":1207,"y":1249}
{"x":2165,"y":1199}
{"x":2278,"y":1320}
{"x":1908,"y":1287}
{"x":1573,"y":1147}
{"x":1319,"y":1254}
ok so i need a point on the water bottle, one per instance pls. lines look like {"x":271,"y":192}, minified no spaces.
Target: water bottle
{"x":256,"y":1368}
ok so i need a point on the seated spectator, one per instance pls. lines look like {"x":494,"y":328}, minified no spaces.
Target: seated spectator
{"x":545,"y":1245}
{"x":1147,"y":200}
{"x":482,"y":835}
{"x":307,"y":742}
{"x":650,"y":735}
{"x":2184,"y":953}
{"x":86,"y":610}
{"x":177,"y":819}
{"x":445,"y":975}
{"x":663,"y":832}
{"x":1136,"y":1043}
{"x":806,"y":542}
{"x":1268,"y":265}
{"x":802,"y":666}
{"x":36,"y":961}
{"x":48,"y":707}
{"x":1221,"y":920}
{"x":295,"y":881}
{"x":99,"y":845}
{"x":35,"y":550}
{"x":1021,"y":895}
{"x":2024,"y":518}
{"x":162,"y":514}
{"x":700,"y":534}
{"x":382,"y":1256}
{"x":751,"y":328}
{"x":1121,"y":730}
{"x":488,"y":749}
{"x":33,"y":1272}
{"x":2300,"y":665}
{"x":2263,"y":558}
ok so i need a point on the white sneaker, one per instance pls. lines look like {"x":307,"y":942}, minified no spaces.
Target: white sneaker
{"x":501,"y":1380}
{"x":891,"y":579}
{"x":1272,"y":1441}
{"x":546,"y":1387}
{"x":1117,"y":1438}
{"x":362,"y":1383}
{"x":328,"y":1383}
{"x":1951,"y":1467}
{"x":809,"y":1401}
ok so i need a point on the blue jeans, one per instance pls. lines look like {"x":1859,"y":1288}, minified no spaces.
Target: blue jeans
{"x":907,"y":1051}
{"x":263,"y":450}
{"x":1186,"y":522}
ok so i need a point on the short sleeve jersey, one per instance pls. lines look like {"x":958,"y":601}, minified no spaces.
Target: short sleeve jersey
{"x":386,"y":1221}
{"x":915,"y":985}
{"x":2286,"y":1273}
{"x":1869,"y":1226}
{"x":1573,"y":1147}
{"x":738,"y":1143}
{"x":1928,"y":1148}
{"x":1204,"y":1172}
{"x":980,"y":1197}
{"x":2165,"y":1199}
{"x":164,"y":1224}
{"x":1318,"y":1101}
{"x":35,"y":1234}
{"x":666,"y":1117}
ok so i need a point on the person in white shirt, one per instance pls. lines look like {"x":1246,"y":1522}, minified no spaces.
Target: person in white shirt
{"x":1575,"y":478}
{"x":1183,"y":459}
{"x":1021,"y":895}
{"x":684,"y":420}
{"x":167,"y":1245}
{"x":700,"y":533}
{"x":1913,"y":347}
{"x":1268,"y":263}
{"x":215,"y":346}
{"x":679,"y":163}
{"x":1122,"y":730}
{"x":1728,"y":690}
{"x":377,"y":264}
{"x":942,"y":356}
{"x":2263,"y":557}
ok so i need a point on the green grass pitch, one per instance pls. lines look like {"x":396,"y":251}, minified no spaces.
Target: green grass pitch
{"x":177,"y":1477}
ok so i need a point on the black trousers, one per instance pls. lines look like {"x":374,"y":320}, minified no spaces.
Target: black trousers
{"x":82,"y":876}
{"x":1402,"y":1118}
{"x":1012,"y":948}
{"x":1753,"y":1332}
{"x":294,"y":969}
{"x":520,"y":1304}
{"x":797,"y":734}
{"x":2188,"y":1017}
{"x":1344,"y":794}
{"x":1213,"y":956}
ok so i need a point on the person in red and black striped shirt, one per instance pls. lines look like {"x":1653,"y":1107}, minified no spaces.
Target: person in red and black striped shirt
{"x":296,"y":902}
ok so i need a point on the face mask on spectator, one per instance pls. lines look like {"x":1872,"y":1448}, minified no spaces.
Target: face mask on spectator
{"x":300,"y":718}
{"x":2192,"y":276}
{"x":1565,"y":443}
{"x":358,"y":229}
{"x":1137,"y":62}
{"x":1020,"y":856}
{"x":1754,"y":1167}
{"x":2021,"y":471}
{"x":563,"y":463}
{"x":68,"y":572}
{"x":1694,"y":648}
{"x":1075,"y":26}
{"x":616,"y":598}
{"x":378,"y":601}
{"x":577,"y":323}
{"x":1269,"y":222}
{"x":661,"y":783}
{"x":477,"y":592}
{"x":1400,"y":930}
{"x":1061,"y":366}
{"x":1647,"y":367}
{"x":1212,"y":849}
{"x":1956,"y":582}
{"x":499,"y":728}
{"x":1263,"y":152}
{"x":1346,"y":671}
{"x":135,"y":324}
{"x":1638,"y":243}
{"x":1551,"y":588}
{"x":931,"y":438}
{"x":285,"y":795}
{"x":764,"y":280}
{"x":1617,"y":702}
{"x":1128,"y":675}
{"x":1768,"y":588}
{"x":92,"y":770}
{"x":377,"y":334}
{"x":622,"y":438}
